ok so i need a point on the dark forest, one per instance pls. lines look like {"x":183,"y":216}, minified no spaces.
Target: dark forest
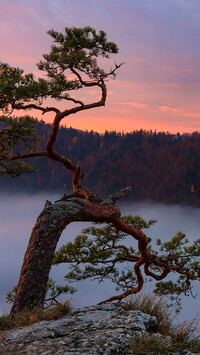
{"x":159,"y":166}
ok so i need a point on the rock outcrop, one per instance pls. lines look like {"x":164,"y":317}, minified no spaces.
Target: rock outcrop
{"x":97,"y":330}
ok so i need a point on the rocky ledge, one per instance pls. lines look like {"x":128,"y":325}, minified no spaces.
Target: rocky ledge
{"x":98,"y":330}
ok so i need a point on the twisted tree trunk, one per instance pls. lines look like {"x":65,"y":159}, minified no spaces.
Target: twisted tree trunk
{"x":45,"y":235}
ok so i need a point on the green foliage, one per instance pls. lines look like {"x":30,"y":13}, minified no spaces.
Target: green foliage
{"x":20,"y":132}
{"x":73,"y":52}
{"x":16,"y":135}
{"x":10,"y":297}
{"x":97,"y":252}
{"x":17,"y":87}
{"x":186,"y":258}
{"x":75,"y":49}
{"x":53,"y":291}
{"x":105,"y":253}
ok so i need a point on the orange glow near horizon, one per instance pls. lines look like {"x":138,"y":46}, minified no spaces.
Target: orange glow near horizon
{"x":157,"y":88}
{"x":113,"y":119}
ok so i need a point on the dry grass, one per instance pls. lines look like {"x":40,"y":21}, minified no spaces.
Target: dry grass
{"x":29,"y":317}
{"x":182,"y":335}
{"x":148,"y":345}
{"x":155,"y":306}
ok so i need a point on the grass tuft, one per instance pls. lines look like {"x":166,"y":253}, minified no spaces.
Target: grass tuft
{"x":148,"y":345}
{"x":155,"y":306}
{"x":26,"y":317}
{"x":182,"y":335}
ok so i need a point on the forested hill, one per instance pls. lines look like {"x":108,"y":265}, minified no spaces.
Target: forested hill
{"x":159,"y":166}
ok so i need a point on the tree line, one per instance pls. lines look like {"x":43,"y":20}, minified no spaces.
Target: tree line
{"x":159,"y":166}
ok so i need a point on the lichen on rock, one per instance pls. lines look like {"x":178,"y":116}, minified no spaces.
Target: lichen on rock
{"x":96,"y":330}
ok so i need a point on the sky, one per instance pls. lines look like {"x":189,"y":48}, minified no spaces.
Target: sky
{"x":157,"y":88}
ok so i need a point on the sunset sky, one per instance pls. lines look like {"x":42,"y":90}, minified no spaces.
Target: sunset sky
{"x":158,"y":87}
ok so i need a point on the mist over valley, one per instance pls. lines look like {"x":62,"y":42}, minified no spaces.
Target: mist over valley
{"x":158,"y":166}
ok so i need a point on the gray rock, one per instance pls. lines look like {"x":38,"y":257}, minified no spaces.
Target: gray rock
{"x":97,"y":330}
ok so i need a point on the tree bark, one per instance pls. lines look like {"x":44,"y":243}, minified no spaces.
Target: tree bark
{"x":54,"y":218}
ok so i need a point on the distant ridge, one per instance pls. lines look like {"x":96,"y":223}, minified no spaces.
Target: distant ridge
{"x":161,"y":167}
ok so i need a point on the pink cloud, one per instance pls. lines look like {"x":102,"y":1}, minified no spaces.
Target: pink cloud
{"x":192,"y":114}
{"x":138,"y":105}
{"x":158,"y":86}
{"x":176,"y":110}
{"x":164,"y":108}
